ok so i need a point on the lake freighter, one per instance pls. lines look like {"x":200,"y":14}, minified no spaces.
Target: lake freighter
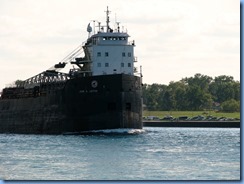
{"x":101,"y":91}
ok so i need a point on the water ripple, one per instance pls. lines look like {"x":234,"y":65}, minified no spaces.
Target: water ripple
{"x":150,"y":154}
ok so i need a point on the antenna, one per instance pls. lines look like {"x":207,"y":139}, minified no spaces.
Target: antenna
{"x":118,"y":26}
{"x":117,"y":23}
{"x":107,"y":19}
{"x":94,"y":26}
{"x":141,"y":71}
{"x":99,"y":26}
{"x":115,"y":20}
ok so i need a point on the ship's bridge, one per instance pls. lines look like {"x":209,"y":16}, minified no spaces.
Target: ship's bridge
{"x":108,"y":39}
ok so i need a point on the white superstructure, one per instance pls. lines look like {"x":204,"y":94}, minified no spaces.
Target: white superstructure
{"x":111,"y":54}
{"x":107,"y":52}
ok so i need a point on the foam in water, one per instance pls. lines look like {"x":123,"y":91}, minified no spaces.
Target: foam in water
{"x":120,"y":131}
{"x":109,"y":131}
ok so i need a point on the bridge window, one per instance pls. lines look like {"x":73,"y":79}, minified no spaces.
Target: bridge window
{"x":106,"y":64}
{"x":114,"y":38}
{"x":122,"y":38}
{"x":123,"y":54}
{"x":99,"y":54}
{"x":106,"y":54}
{"x":129,"y":64}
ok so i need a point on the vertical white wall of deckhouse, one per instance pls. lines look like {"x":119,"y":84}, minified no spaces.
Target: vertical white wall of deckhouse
{"x":112,"y":59}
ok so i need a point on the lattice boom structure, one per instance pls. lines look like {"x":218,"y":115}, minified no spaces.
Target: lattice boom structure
{"x":47,"y":77}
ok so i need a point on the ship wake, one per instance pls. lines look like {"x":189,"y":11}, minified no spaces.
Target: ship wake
{"x":119,"y":131}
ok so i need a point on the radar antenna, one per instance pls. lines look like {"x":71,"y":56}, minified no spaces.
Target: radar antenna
{"x":89,"y":30}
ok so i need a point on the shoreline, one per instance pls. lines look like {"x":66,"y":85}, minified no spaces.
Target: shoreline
{"x":193,"y":124}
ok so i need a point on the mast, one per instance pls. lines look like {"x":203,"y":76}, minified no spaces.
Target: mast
{"x":107,"y":19}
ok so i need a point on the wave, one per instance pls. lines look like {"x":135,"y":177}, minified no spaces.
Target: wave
{"x":119,"y":131}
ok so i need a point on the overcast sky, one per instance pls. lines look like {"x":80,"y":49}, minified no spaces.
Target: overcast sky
{"x":174,"y":38}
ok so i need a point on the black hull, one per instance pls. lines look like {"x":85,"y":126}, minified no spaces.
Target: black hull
{"x":82,"y":104}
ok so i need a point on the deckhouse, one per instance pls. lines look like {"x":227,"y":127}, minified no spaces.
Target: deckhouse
{"x":107,"y":51}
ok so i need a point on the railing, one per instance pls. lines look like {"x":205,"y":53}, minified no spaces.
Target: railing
{"x":131,"y":42}
{"x":135,"y":59}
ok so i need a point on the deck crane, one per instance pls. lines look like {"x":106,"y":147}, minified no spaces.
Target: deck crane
{"x":76,"y":52}
{"x":52,"y":74}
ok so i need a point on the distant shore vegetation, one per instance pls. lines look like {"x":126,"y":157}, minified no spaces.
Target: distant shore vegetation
{"x":198,"y":93}
{"x":191,"y":114}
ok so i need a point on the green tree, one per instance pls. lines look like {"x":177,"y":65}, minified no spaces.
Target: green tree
{"x":178,"y":95}
{"x":197,"y":93}
{"x":224,"y":88}
{"x":231,"y":106}
{"x":202,"y":81}
{"x":193,"y":93}
{"x":151,"y":96}
{"x":167,"y":102}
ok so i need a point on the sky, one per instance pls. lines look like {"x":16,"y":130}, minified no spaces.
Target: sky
{"x":174,"y":38}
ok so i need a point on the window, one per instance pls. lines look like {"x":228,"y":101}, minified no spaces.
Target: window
{"x":106,"y":64}
{"x":123,"y":54}
{"x":122,"y":65}
{"x":94,"y":41}
{"x":129,"y":64}
{"x":129,"y":54}
{"x":122,"y":38}
{"x":99,"y":54}
{"x":99,"y":65}
{"x":106,"y":54}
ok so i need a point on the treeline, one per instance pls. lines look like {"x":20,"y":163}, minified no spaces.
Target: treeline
{"x":200,"y":92}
